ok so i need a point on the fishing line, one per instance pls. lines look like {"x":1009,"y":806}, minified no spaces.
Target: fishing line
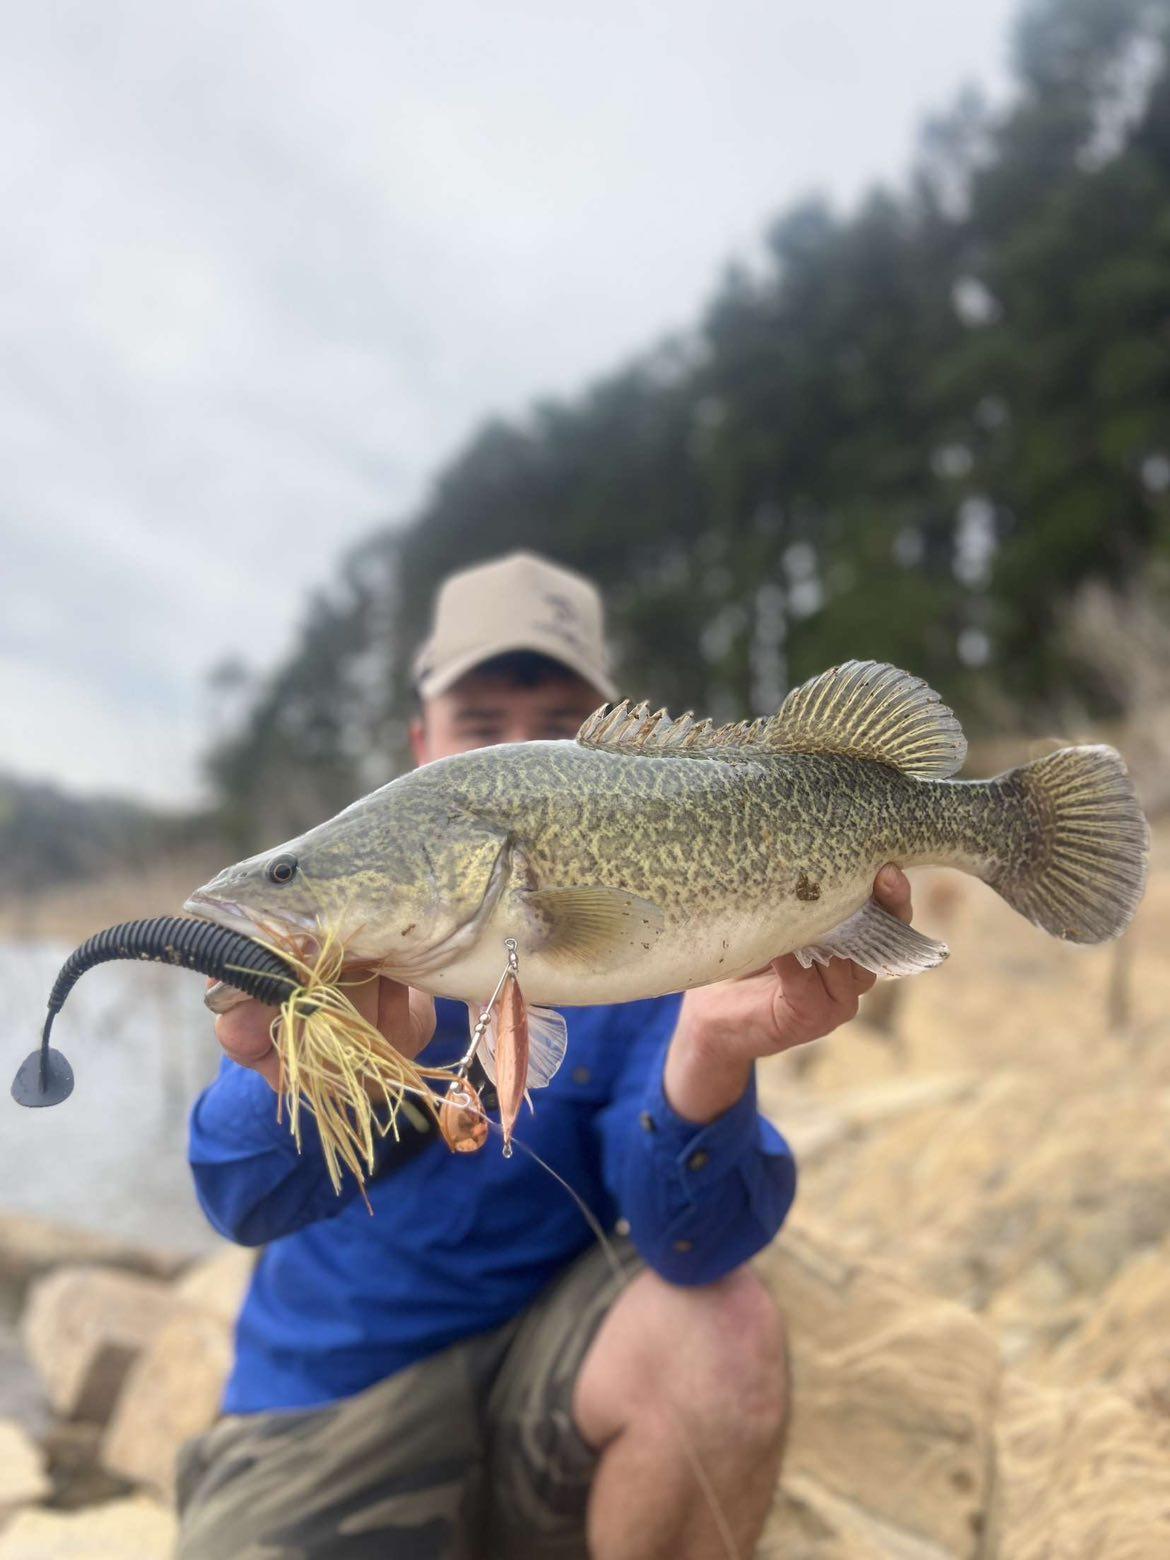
{"x":621,"y":1278}
{"x":329,"y":1054}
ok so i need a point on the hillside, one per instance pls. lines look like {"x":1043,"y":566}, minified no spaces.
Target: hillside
{"x":69,"y":860}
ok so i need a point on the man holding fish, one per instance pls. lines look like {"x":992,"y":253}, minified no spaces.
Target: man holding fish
{"x":462,"y":1374}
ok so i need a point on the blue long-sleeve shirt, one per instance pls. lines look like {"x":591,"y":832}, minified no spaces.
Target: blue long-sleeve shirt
{"x":459,"y":1243}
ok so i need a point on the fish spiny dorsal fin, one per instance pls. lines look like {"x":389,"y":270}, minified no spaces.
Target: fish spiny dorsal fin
{"x":596,"y":730}
{"x":646,"y":740}
{"x":865,"y":709}
{"x":733,"y":736}
{"x":625,"y":730}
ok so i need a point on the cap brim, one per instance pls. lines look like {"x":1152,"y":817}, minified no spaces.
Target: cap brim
{"x":444,"y":677}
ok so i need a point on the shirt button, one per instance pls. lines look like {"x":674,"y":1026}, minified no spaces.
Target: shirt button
{"x":684,"y":1245}
{"x":647,"y":1123}
{"x":581,"y":1075}
{"x":698,"y":1160}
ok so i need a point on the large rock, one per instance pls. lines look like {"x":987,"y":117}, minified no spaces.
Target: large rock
{"x":136,"y":1529}
{"x":1123,"y":1339}
{"x":809,"y":1523}
{"x":894,"y":1395}
{"x":172,"y":1392}
{"x":219,"y":1283}
{"x":72,"y":1447}
{"x":1083,"y":1474}
{"x":82,"y":1328}
{"x":23,"y":1479}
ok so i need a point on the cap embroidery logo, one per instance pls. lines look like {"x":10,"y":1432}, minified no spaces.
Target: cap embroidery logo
{"x":564,"y":618}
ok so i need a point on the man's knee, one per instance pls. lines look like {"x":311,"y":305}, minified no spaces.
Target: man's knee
{"x":739,"y":1328}
{"x":719,"y":1348}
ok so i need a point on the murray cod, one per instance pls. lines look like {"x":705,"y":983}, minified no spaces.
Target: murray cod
{"x":653,"y":854}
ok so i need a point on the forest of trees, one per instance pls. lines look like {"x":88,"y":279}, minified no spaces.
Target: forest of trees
{"x":913,"y":434}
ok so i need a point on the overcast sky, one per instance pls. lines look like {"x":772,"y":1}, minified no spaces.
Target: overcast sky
{"x":265,"y":263}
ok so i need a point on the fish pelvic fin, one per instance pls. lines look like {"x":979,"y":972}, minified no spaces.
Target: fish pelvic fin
{"x":1079,"y":867}
{"x":861,"y":709}
{"x":878,"y":941}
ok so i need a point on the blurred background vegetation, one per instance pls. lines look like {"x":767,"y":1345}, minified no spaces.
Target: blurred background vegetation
{"x":926,"y":432}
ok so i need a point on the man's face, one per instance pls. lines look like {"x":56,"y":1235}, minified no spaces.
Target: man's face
{"x":480,"y":711}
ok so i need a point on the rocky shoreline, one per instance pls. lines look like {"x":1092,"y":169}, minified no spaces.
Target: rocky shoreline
{"x":976,"y":1282}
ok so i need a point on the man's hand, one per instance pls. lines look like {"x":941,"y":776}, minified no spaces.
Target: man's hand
{"x":405,"y":1017}
{"x":723,"y":1029}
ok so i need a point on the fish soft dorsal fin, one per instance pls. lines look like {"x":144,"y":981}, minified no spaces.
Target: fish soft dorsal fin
{"x":863,"y":709}
{"x":866,"y":709}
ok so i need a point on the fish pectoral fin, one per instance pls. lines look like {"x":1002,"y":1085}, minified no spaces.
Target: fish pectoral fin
{"x":878,"y":941}
{"x":592,"y":924}
{"x":548,"y":1039}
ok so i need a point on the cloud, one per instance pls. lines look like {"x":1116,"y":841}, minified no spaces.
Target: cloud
{"x":266,"y":264}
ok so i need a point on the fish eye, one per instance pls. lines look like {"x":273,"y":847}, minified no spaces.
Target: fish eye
{"x":282,"y":870}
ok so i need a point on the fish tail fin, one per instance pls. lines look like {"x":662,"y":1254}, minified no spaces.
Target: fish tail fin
{"x":1078,"y":865}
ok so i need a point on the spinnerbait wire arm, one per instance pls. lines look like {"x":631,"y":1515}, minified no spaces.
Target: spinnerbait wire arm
{"x":511,"y":968}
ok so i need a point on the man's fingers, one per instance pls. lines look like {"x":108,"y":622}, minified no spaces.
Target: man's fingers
{"x":789,"y":968}
{"x":245,"y":1033}
{"x":405,"y":1016}
{"x":891,"y":889}
{"x":839,"y":982}
{"x":863,"y":980}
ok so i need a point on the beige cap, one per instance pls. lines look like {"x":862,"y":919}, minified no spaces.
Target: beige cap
{"x":520,"y":602}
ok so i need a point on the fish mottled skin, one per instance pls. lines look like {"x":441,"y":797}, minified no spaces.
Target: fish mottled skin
{"x":651,"y":856}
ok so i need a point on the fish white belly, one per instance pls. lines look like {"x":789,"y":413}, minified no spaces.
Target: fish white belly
{"x":696,"y":954}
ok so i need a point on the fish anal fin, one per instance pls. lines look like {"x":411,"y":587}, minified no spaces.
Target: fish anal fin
{"x":592,"y":924}
{"x":878,"y":941}
{"x":861,"y":709}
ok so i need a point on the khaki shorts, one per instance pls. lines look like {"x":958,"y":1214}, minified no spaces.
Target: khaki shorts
{"x":471,"y":1454}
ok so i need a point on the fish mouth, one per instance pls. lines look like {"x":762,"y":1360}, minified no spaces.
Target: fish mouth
{"x":288,"y":930}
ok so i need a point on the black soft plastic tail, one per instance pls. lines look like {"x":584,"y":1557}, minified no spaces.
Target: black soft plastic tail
{"x":46,"y":1078}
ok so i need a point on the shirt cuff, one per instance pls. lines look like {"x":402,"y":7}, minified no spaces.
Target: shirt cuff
{"x":699,"y":1153}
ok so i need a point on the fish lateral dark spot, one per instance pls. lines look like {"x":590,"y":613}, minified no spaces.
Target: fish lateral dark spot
{"x":406,"y":930}
{"x":806,"y":889}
